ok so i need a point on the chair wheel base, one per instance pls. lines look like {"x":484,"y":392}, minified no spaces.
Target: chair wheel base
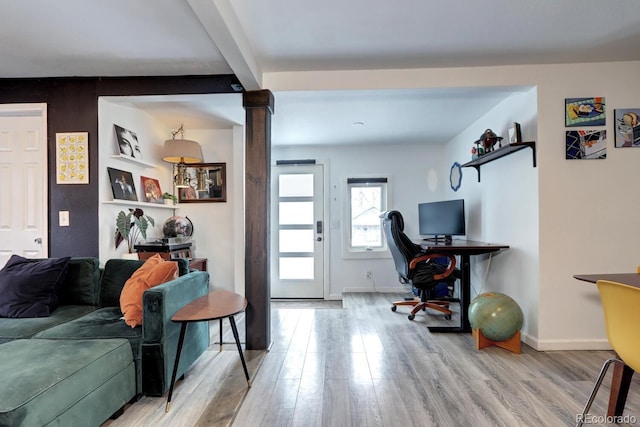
{"x":411,"y":316}
{"x":394,"y":308}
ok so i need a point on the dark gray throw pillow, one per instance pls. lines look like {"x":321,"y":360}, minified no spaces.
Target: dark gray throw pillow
{"x":30,"y":288}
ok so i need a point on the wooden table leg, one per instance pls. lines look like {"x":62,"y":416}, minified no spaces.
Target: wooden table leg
{"x":620,"y":383}
{"x":235,"y":335}
{"x":183,"y":329}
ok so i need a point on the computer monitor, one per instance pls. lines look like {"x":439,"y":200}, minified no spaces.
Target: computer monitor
{"x":442,"y":220}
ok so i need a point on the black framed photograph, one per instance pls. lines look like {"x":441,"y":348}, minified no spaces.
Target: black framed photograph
{"x":207,"y":183}
{"x":128,"y":143}
{"x":122,"y":184}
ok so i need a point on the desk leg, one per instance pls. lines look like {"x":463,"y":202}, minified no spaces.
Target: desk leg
{"x":465,"y":297}
{"x":620,"y":383}
{"x":183,"y":329}
{"x":235,"y":335}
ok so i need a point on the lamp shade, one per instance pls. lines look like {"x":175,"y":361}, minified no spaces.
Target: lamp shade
{"x":182,"y":150}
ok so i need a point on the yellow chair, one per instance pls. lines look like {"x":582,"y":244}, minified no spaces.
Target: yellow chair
{"x":622,"y":318}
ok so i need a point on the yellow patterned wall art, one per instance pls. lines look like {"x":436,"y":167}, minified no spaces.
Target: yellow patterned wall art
{"x":72,"y":158}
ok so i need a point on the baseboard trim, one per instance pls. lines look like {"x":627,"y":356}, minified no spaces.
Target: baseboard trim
{"x":385,"y":290}
{"x":566,"y":344}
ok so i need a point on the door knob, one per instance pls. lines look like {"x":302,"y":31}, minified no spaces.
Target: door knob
{"x":38,"y":240}
{"x":319,"y":239}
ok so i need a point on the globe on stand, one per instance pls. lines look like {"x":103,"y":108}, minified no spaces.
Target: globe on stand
{"x":496,"y":319}
{"x":179,"y":227}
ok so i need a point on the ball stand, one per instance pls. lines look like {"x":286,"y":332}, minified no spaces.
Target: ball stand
{"x":512,"y":344}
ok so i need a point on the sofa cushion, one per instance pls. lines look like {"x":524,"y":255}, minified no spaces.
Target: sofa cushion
{"x":30,"y":288}
{"x":64,"y":383}
{"x":82,"y":284}
{"x":117,"y":272}
{"x":153,"y":272}
{"x":13,"y":329}
{"x":103,"y":323}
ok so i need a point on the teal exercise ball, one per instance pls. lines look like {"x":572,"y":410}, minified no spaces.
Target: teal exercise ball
{"x":497,"y":315}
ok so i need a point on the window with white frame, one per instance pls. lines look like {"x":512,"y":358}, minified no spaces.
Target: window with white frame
{"x":366,"y":200}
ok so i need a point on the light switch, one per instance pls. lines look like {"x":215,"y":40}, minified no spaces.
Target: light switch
{"x":63,"y":218}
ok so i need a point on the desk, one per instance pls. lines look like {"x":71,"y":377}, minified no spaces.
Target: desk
{"x":464,"y":248}
{"x":621,"y":379}
{"x":218,"y":304}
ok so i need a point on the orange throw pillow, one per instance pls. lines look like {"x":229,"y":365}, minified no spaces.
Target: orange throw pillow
{"x":155,"y":271}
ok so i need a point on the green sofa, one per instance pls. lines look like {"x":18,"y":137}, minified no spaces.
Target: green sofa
{"x":89,"y":308}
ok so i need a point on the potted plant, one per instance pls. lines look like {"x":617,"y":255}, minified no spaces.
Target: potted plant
{"x":131,"y":226}
{"x":169,"y":199}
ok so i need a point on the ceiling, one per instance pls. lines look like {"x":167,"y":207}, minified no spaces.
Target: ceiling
{"x":248,"y":38}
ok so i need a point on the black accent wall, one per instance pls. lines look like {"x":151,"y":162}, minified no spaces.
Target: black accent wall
{"x":72,"y":106}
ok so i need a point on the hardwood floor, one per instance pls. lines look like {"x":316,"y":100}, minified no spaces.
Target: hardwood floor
{"x":367,"y":366}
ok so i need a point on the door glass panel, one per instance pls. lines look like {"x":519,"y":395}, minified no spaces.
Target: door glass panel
{"x":296,"y":213}
{"x":296,"y":241}
{"x":296,"y":268}
{"x":296,"y":185}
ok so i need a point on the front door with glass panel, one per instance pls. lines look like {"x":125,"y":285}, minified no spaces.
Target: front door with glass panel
{"x":297,"y":232}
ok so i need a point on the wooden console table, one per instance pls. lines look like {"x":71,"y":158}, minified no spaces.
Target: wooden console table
{"x":194,"y":263}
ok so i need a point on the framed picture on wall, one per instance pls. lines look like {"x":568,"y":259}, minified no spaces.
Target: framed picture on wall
{"x":586,"y":144}
{"x":584,"y":111}
{"x":627,"y":126}
{"x":207,"y":183}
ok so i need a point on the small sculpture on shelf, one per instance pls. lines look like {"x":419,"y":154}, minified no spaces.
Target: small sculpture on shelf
{"x":485,"y":144}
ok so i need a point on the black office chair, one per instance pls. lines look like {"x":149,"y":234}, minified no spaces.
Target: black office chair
{"x":417,"y":268}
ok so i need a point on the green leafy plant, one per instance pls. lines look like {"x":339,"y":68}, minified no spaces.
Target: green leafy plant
{"x":131,"y":226}
{"x":170,"y":197}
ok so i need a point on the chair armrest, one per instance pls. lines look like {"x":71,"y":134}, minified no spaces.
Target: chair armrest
{"x":163,"y":301}
{"x":422,"y":258}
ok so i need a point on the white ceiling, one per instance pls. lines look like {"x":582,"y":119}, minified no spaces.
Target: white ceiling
{"x":246,"y":37}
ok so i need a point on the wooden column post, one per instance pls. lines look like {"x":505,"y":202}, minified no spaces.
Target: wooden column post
{"x":259,"y":108}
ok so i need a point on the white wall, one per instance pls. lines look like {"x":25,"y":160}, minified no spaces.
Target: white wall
{"x":503,"y":208}
{"x":218,"y":231}
{"x":586,"y":208}
{"x":415,"y":175}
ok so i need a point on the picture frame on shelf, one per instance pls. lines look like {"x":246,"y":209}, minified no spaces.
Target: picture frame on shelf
{"x":515,"y":134}
{"x":208,"y":183}
{"x":151,"y":190}
{"x":128,"y":144}
{"x":122,"y":185}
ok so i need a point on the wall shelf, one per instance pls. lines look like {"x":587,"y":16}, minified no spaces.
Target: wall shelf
{"x":133,"y":160}
{"x":501,"y":152}
{"x":139,"y":204}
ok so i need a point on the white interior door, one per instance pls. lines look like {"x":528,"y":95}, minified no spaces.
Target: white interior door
{"x":23,"y":181}
{"x":297,"y":236}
